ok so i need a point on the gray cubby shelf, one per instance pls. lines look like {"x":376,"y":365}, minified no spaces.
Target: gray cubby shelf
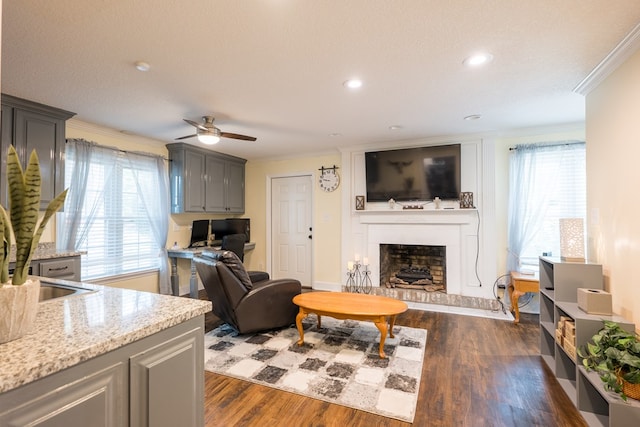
{"x":559,"y":283}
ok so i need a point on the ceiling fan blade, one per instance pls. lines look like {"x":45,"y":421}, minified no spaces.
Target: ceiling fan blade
{"x":185,"y":137}
{"x":196,"y":124}
{"x":237,"y":136}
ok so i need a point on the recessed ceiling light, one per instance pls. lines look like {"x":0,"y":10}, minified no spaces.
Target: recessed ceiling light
{"x":142,"y":66}
{"x":353,"y":83}
{"x":473,"y":117}
{"x":395,"y":127}
{"x":478,"y":59}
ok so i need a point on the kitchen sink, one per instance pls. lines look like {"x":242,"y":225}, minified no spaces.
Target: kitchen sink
{"x":50,"y":291}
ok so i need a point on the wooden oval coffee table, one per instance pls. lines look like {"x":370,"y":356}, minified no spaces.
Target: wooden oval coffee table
{"x":344,"y":305}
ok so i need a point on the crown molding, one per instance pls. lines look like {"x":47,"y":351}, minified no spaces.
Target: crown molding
{"x":611,"y":62}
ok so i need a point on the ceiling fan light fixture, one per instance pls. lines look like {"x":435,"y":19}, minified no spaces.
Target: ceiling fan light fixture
{"x":353,"y":84}
{"x":142,"y":66}
{"x":478,"y":59}
{"x":208,"y":138}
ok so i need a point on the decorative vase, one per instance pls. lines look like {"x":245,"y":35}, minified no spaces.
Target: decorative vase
{"x":18,"y":309}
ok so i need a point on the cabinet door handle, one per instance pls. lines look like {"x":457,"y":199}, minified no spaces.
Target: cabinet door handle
{"x":59,"y":268}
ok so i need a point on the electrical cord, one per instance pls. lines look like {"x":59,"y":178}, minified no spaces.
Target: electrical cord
{"x":529,"y":295}
{"x":495,"y":293}
{"x":478,"y":247}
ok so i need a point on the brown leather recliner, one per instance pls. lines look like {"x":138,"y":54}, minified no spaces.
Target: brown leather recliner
{"x":246,"y":306}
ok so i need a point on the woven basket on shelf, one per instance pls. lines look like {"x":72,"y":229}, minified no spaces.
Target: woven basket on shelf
{"x":631,"y":390}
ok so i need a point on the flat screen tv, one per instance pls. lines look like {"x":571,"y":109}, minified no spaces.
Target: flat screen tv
{"x":413,"y":174}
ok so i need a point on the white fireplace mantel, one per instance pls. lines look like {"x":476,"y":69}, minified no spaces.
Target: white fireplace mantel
{"x":467,"y":234}
{"x":426,"y":216}
{"x":446,"y":228}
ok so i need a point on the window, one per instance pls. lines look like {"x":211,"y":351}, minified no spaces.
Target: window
{"x":547,"y":182}
{"x":114,"y":210}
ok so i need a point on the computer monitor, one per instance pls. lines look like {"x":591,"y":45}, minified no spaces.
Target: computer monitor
{"x":219,"y":229}
{"x":199,"y":233}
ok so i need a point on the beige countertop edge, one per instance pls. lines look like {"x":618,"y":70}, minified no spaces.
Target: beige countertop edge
{"x":74,"y":329}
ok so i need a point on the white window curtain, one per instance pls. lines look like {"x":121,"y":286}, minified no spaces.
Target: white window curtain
{"x":117,"y":211}
{"x":547,"y":182}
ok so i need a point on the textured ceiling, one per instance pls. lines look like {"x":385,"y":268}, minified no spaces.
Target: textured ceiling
{"x":274,"y":69}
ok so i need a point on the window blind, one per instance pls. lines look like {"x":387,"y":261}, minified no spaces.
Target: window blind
{"x":558,"y":177}
{"x":118,"y":237}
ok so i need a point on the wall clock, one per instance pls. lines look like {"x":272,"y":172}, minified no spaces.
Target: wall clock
{"x":329,"y":179}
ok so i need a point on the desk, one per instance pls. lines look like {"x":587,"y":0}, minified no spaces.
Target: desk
{"x":190,"y":253}
{"x":521,"y":284}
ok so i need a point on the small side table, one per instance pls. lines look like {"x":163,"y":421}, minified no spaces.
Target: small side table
{"x":521,"y":284}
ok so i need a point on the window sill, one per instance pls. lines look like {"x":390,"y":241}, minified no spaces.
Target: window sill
{"x":108,"y":279}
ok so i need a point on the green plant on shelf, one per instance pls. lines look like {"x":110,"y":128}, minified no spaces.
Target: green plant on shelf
{"x":615,"y":355}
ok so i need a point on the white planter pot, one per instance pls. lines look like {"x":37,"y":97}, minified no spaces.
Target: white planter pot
{"x":18,"y":309}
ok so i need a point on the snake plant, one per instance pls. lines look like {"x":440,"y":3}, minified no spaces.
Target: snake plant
{"x":22,"y":220}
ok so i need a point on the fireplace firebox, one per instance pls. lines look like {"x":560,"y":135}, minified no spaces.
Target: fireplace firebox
{"x":413,"y":267}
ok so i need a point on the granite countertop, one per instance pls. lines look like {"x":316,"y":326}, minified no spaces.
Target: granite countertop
{"x":76,"y":328}
{"x":46,"y":250}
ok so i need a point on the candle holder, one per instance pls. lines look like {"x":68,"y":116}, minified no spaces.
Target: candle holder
{"x":359,"y":278}
{"x":366,"y":285}
{"x":350,"y":287}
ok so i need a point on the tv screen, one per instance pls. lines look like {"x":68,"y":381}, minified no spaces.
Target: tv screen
{"x":422,"y":173}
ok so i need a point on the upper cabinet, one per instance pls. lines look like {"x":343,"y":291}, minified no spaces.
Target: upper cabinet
{"x":205,"y":181}
{"x":31,"y":126}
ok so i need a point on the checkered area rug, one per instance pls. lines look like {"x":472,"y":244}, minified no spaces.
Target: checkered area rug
{"x":338,"y":363}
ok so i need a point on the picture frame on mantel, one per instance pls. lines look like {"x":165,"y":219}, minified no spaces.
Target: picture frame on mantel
{"x":466,"y":200}
{"x":359,"y":203}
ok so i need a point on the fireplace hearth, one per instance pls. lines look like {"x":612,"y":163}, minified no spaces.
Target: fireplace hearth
{"x":419,"y":267}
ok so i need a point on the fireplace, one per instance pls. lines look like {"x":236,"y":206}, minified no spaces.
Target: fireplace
{"x":419,"y":267}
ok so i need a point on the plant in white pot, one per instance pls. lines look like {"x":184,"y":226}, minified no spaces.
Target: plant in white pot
{"x":19,"y":294}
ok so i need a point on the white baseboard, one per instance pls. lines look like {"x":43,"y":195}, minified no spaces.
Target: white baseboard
{"x":327,"y":286}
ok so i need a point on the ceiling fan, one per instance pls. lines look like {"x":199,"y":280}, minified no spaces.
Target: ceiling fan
{"x":207,"y":133}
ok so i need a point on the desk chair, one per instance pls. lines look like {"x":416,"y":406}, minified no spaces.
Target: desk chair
{"x":235,"y":243}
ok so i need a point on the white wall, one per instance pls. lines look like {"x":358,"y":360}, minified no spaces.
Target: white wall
{"x":613,"y":151}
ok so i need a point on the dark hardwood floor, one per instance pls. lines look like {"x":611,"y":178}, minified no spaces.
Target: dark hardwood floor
{"x":477,"y":372}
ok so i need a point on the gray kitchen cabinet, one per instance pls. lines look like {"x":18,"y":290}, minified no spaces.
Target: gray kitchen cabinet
{"x":156,"y":381}
{"x":67,"y":268}
{"x":205,"y":181}
{"x":31,"y":126}
{"x":195,"y":174}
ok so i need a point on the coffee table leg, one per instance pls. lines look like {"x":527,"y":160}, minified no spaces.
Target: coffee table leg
{"x":382,"y":326}
{"x":301,"y":315}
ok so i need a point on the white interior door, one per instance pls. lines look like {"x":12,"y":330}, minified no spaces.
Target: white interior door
{"x":291,"y":228}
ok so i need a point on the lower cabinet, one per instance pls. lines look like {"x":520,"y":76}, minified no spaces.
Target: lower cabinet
{"x":157,"y":381}
{"x":67,"y":268}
